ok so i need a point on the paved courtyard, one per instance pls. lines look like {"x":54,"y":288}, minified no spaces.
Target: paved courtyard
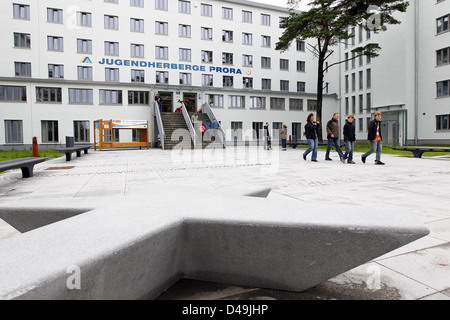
{"x":420,"y":187}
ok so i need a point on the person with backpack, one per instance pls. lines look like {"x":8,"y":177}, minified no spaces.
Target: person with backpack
{"x":376,"y":140}
{"x":350,"y":139}
{"x":333,"y":138}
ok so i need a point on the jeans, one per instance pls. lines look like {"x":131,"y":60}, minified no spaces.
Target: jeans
{"x":337,"y":144}
{"x":283,"y":143}
{"x":350,"y":148}
{"x":313,"y":145}
{"x":377,"y":146}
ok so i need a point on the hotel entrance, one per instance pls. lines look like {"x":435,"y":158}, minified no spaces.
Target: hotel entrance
{"x":167,"y":101}
{"x":191,"y":101}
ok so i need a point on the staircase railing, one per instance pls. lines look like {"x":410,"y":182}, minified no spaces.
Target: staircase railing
{"x":189,"y":125}
{"x":221,"y":133}
{"x":162,"y":135}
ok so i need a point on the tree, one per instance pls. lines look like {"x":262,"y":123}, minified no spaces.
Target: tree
{"x":329,"y":23}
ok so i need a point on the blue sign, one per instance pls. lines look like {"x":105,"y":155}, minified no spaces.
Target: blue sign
{"x":165,"y":65}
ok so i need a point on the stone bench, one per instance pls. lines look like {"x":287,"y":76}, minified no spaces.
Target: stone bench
{"x":25,"y":164}
{"x":419,"y":151}
{"x":69,"y":150}
{"x":136,"y":246}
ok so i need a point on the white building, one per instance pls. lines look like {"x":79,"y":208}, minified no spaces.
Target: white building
{"x":408,"y":82}
{"x":65,"y":66}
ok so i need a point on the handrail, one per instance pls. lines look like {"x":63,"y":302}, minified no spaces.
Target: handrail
{"x":189,"y":124}
{"x":207,"y":109}
{"x":162,"y":135}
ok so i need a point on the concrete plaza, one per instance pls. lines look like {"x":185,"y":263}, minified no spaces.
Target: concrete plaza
{"x":419,"y":187}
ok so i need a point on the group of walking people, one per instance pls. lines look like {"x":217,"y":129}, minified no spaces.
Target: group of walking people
{"x":374,"y":136}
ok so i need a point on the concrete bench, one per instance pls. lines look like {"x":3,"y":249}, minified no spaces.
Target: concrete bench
{"x":25,"y":164}
{"x":69,"y":150}
{"x":419,"y":151}
{"x":136,"y":246}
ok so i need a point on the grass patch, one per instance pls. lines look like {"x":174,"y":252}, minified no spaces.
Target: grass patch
{"x":17,"y":154}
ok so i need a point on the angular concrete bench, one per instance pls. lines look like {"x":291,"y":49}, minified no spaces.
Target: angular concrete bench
{"x":69,"y":150}
{"x":25,"y":164}
{"x":137,"y":246}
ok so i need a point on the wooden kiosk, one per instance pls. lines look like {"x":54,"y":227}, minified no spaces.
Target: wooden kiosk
{"x":104,"y":133}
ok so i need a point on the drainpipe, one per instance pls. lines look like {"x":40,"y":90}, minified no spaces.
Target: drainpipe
{"x":416,"y":90}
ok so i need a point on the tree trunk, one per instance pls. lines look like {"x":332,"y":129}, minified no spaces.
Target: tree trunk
{"x":320,"y":77}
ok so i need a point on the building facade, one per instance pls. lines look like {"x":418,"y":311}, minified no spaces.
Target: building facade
{"x":66,"y":65}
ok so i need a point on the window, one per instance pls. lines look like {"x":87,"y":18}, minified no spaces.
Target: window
{"x":227,"y":13}
{"x":162,"y":53}
{"x":265,"y":19}
{"x":266,"y":62}
{"x":301,"y":86}
{"x":81,"y":96}
{"x":185,"y":78}
{"x":284,"y":64}
{"x":136,"y":25}
{"x":137,"y":50}
{"x":84,"y":73}
{"x":112,"y":74}
{"x":161,"y":28}
{"x":369,"y":103}
{"x":258,"y":103}
{"x":347,"y":84}
{"x":111,"y":48}
{"x":236,"y":128}
{"x":361,"y":104}
{"x":236,"y":102}
{"x":48,"y":95}
{"x":22,"y":69}
{"x":296,"y":104}
{"x":162,"y":77}
{"x":361,"y":80}
{"x":207,"y":33}
{"x":361,"y":33}
{"x":81,"y":131}
{"x":112,"y":1}
{"x":257,"y":128}
{"x":21,"y":11}
{"x":442,"y":24}
{"x":161,"y":5}
{"x":138,"y":76}
{"x":312,"y":105}
{"x":84,"y":19}
{"x":247,"y":60}
{"x":110,"y":96}
{"x":266,"y":84}
{"x":265,"y":41}
{"x":360,"y":125}
{"x":22,"y":40}
{"x":443,"y":122}
{"x":301,"y":66}
{"x":346,"y":61}
{"x":184,"y":6}
{"x":284,"y":85}
{"x":353,"y":82}
{"x":49,"y":131}
{"x":55,"y":43}
{"x":56,"y":71}
{"x":184,"y":30}
{"x":443,"y":88}
{"x":442,"y":56}
{"x":353,"y":105}
{"x":227,"y":58}
{"x":138,"y":97}
{"x":369,"y":78}
{"x":207,"y":56}
{"x":247,"y":38}
{"x":54,"y":15}
{"x":111,"y":22}
{"x":206,"y":10}
{"x":13,"y":94}
{"x":13,"y":131}
{"x":227,"y":36}
{"x":277,"y":104}
{"x":301,"y":46}
{"x":247,"y":16}
{"x":347,"y":106}
{"x":207,"y":80}
{"x":84,"y":46}
{"x":185,"y":54}
{"x":228,"y":81}
{"x":247,"y":83}
{"x":215,"y":100}
{"x":137,"y":3}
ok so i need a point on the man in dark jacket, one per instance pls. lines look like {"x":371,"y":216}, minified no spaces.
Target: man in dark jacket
{"x":333,"y":138}
{"x":350,"y":138}
{"x":375,"y":138}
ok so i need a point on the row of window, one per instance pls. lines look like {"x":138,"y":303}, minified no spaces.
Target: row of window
{"x":364,"y":105}
{"x":54,"y":15}
{"x":260,"y":103}
{"x":368,"y":79}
